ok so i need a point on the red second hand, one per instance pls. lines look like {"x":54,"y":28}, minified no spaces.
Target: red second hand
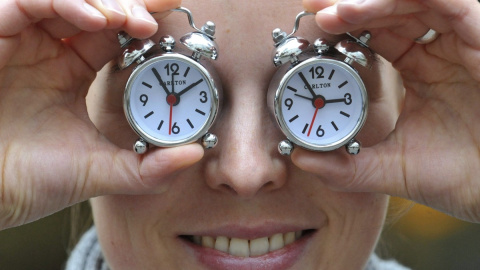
{"x":313,"y":120}
{"x":171,"y":99}
{"x":319,"y":103}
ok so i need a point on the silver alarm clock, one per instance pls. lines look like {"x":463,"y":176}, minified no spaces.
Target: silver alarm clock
{"x":172,"y":97}
{"x":317,"y":96}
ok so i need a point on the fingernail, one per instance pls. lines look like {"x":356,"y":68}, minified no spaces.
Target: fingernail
{"x":141,"y":13}
{"x":93,"y":11}
{"x":352,"y":1}
{"x":113,"y":6}
{"x":332,"y":10}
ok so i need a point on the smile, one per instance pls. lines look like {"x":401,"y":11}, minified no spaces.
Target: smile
{"x":247,"y":247}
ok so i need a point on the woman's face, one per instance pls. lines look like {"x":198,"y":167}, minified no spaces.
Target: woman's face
{"x":242,"y":189}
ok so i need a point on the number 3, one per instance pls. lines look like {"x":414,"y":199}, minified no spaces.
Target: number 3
{"x":204,"y":98}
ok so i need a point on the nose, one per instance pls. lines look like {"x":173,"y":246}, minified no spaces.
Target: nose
{"x":246,"y":161}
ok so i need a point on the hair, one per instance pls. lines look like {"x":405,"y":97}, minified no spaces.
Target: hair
{"x":397,"y":208}
{"x":80,"y":221}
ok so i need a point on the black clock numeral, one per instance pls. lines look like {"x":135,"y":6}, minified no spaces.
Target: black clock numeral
{"x":172,"y":68}
{"x":348,"y":99}
{"x":175,"y":128}
{"x":320,"y":132}
{"x":318,"y":71}
{"x":144,"y":99}
{"x":289,"y":103}
{"x":204,"y":96}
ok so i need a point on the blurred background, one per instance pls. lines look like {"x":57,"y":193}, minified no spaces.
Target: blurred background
{"x":421,"y":238}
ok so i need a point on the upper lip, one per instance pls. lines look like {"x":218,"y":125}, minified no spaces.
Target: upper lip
{"x":236,"y":230}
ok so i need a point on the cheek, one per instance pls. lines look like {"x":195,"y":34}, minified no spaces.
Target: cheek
{"x":359,"y":217}
{"x":355,"y":221}
{"x":126,"y":231}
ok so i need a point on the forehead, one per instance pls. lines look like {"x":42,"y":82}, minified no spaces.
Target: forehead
{"x":245,"y":26}
{"x":243,"y":32}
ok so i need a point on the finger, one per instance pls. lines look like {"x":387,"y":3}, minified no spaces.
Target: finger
{"x":346,"y":17}
{"x":316,"y":5}
{"x":440,"y":15}
{"x":125,"y":172}
{"x":17,"y":15}
{"x":363,"y":173}
{"x":140,"y":22}
{"x":462,"y":16}
{"x":79,"y":13}
{"x":358,"y":12}
{"x":112,"y":11}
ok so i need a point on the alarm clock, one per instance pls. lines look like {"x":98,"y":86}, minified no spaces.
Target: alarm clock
{"x":172,"y":97}
{"x":317,"y":96}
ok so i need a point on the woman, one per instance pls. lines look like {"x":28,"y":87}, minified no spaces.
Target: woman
{"x":166,"y":209}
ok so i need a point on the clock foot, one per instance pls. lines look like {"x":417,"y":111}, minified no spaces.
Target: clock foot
{"x":209,"y":140}
{"x":285,"y":147}
{"x":353,"y":147}
{"x":140,"y":146}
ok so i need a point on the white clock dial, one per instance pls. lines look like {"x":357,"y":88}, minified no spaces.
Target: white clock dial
{"x":321,"y":104}
{"x":170,"y":100}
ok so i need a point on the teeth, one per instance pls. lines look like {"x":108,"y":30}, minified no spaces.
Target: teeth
{"x":259,"y":246}
{"x":222,"y":243}
{"x":289,"y":238}
{"x":248,"y":248}
{"x":276,"y":242}
{"x":239,"y":247}
{"x":207,"y":241}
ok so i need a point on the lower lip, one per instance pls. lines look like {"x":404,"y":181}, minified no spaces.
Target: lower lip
{"x":281,"y":259}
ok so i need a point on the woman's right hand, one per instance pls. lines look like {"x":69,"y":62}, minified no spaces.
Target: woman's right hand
{"x":51,"y":155}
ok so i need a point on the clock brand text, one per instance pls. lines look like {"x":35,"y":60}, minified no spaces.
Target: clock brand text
{"x":319,"y":85}
{"x":179,"y":82}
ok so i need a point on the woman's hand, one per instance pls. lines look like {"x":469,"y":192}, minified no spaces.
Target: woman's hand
{"x":51,"y":155}
{"x":433,"y":154}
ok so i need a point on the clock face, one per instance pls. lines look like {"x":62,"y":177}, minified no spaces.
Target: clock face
{"x":321,"y":104}
{"x":170,"y":100}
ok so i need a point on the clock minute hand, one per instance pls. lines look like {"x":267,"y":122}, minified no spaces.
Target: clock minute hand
{"x":309,"y":87}
{"x":159,"y":78}
{"x":189,"y":87}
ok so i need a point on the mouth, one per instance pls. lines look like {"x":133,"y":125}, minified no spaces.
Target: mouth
{"x":242,"y":248}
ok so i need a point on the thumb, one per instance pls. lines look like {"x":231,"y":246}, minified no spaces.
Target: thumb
{"x":125,"y":172}
{"x":375,"y":169}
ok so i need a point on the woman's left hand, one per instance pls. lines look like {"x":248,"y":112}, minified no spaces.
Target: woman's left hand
{"x":433,"y":154}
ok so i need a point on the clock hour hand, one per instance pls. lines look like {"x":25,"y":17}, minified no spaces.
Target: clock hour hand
{"x":304,"y":97}
{"x":336,"y":100}
{"x":189,"y":87}
{"x":309,"y":87}
{"x":162,"y":83}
